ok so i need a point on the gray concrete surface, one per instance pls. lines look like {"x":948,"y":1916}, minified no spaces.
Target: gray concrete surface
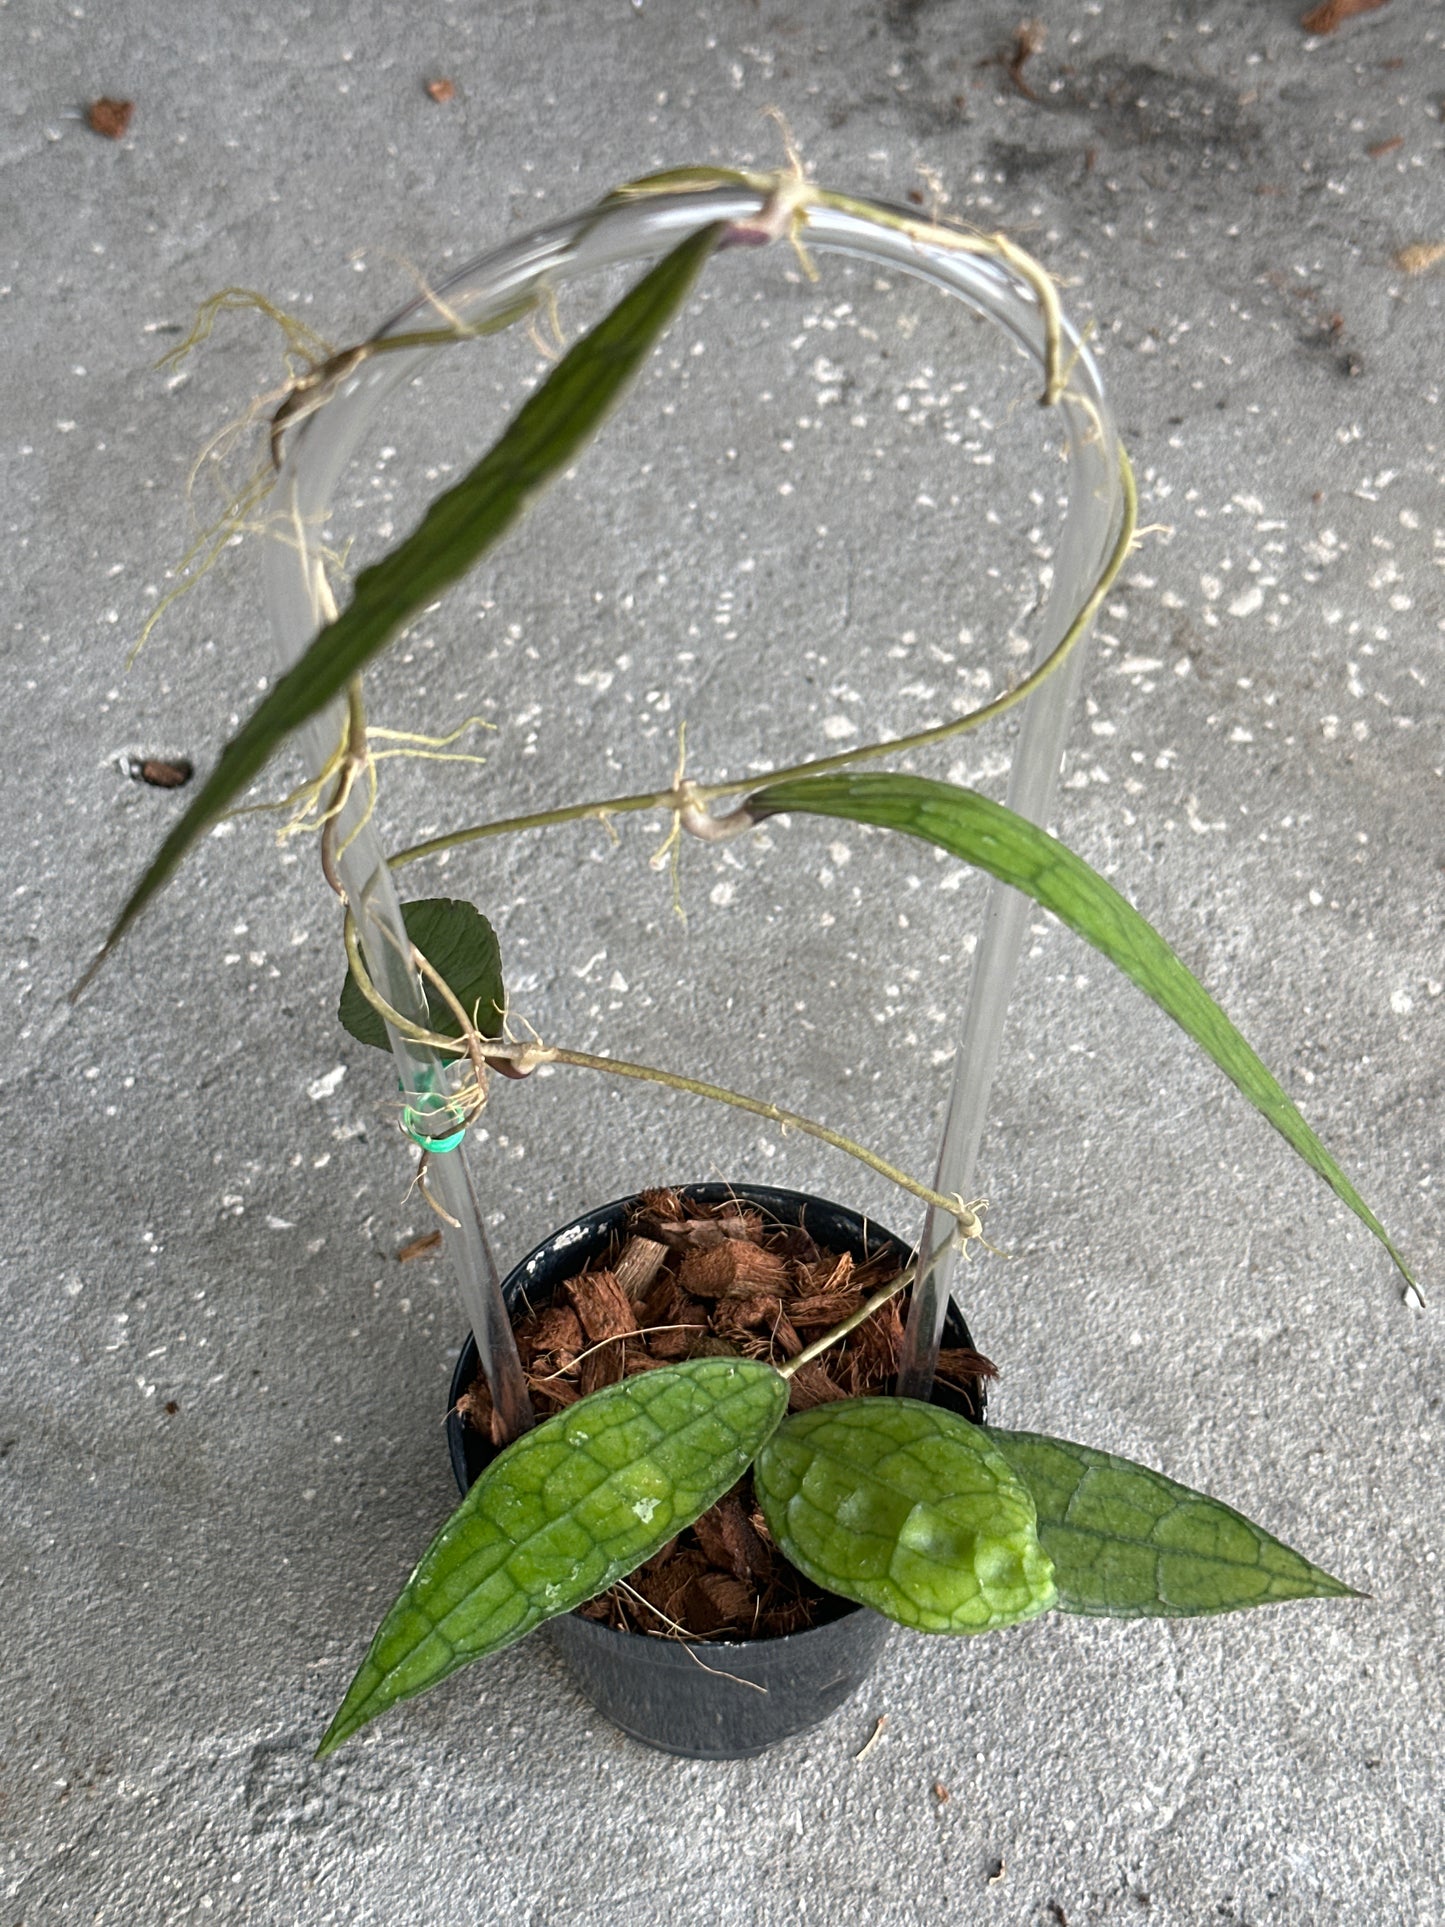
{"x":221,"y":1442}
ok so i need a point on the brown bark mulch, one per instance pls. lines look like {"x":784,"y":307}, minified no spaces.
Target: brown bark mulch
{"x":692,"y":1280}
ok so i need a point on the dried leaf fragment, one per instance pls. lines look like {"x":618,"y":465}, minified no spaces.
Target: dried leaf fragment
{"x":1420,"y":256}
{"x":161,"y":772}
{"x":418,"y":1247}
{"x":1334,"y":13}
{"x":109,"y":117}
{"x":873,"y":1738}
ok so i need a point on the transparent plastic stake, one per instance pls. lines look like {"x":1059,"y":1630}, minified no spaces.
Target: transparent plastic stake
{"x":297,"y":599}
{"x":1091,"y":529}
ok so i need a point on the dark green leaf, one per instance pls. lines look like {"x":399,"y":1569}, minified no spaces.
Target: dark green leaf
{"x":562,"y":1514}
{"x":1127,"y":1543}
{"x":455,"y":937}
{"x":1009,"y":847}
{"x":906,"y":1508}
{"x":456,"y":531}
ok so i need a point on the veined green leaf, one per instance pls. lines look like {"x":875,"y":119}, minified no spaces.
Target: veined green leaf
{"x":1127,"y":1543}
{"x":458,"y":528}
{"x":907,"y":1508}
{"x":1011,"y":848}
{"x":563,"y":1513}
{"x":454,"y":936}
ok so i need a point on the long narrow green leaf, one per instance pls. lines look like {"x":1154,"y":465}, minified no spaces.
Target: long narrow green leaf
{"x":1014,"y":850}
{"x":562,"y":1514}
{"x":1127,"y":1543}
{"x":455,"y":532}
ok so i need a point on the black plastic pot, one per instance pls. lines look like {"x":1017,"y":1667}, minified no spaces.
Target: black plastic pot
{"x":702,"y":1701}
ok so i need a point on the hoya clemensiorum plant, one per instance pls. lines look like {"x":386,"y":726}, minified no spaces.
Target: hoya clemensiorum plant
{"x":943,"y":1525}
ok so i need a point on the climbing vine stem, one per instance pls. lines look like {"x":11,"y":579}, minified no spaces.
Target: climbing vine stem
{"x":685,"y":797}
{"x":486,"y":1052}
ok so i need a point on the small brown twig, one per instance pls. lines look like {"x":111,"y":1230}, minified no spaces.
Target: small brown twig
{"x":1029,"y":39}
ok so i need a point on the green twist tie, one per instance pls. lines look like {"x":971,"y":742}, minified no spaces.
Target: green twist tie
{"x":437,"y":1146}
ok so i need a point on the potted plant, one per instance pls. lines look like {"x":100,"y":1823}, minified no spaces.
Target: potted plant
{"x":867,"y":1490}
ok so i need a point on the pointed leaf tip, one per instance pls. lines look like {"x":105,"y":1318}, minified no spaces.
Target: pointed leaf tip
{"x":1009,"y":847}
{"x":458,"y":528}
{"x":1129,"y":1543}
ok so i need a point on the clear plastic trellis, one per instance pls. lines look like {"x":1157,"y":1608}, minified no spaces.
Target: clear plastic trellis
{"x":298,"y":602}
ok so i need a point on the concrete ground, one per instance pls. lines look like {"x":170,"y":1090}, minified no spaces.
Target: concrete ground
{"x":221,"y":1441}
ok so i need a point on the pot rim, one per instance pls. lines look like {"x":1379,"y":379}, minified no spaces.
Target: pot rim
{"x":600,"y":1223}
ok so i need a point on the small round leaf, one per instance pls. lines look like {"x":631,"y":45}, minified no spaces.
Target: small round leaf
{"x":454,"y":936}
{"x":908,"y":1509}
